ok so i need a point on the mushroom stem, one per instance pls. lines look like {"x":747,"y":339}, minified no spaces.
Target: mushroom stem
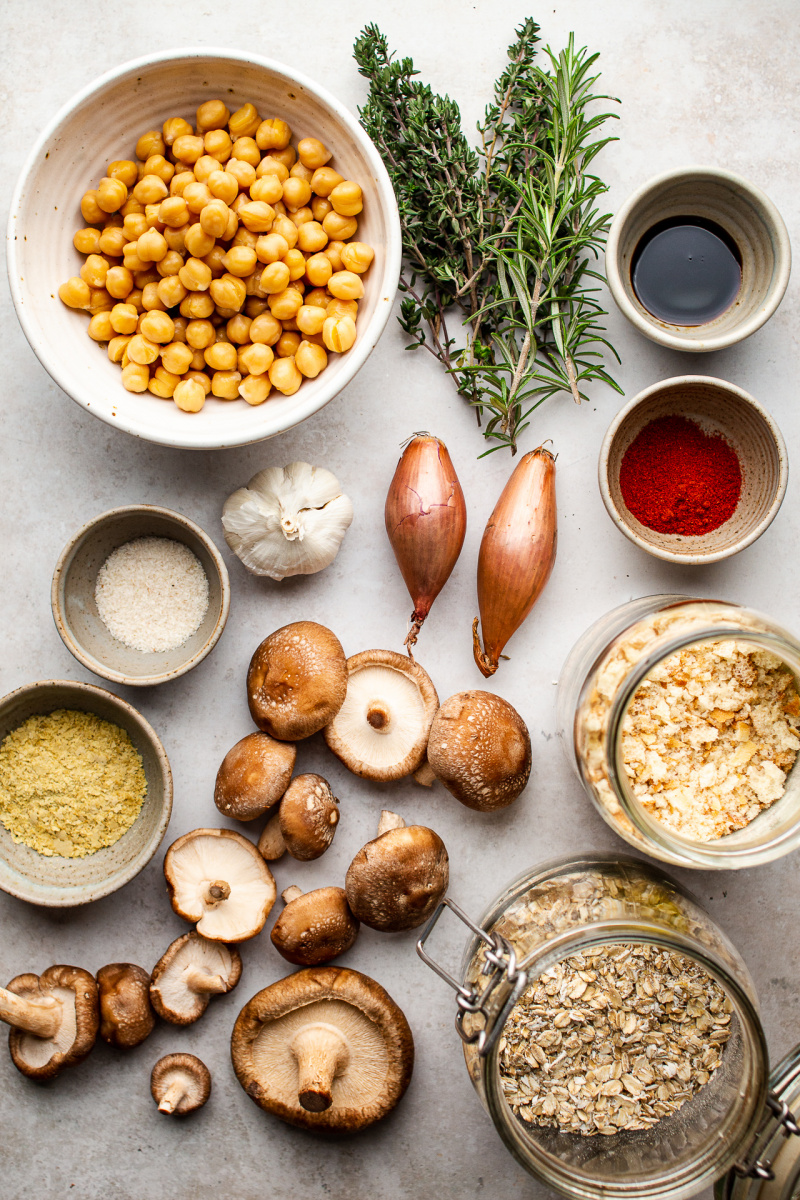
{"x":291,"y":893}
{"x":322,"y":1054}
{"x":198,"y":980}
{"x":41,"y":1017}
{"x":217,"y":891}
{"x":389,"y":820}
{"x":425,"y":775}
{"x":172,"y":1096}
{"x":379,"y":716}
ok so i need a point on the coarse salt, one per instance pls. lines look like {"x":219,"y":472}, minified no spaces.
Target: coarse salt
{"x":152,"y":594}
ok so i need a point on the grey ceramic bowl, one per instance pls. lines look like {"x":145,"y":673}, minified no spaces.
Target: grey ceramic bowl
{"x":75,"y":611}
{"x":747,"y":215}
{"x":64,"y":882}
{"x":717,"y":407}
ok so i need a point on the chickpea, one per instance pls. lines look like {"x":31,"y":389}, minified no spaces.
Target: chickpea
{"x":205,"y":166}
{"x":273,"y":134}
{"x":346,"y":285}
{"x":301,"y":216}
{"x":243,"y":237}
{"x":100,"y":327}
{"x":119,"y":282}
{"x":271,"y":247}
{"x":150,"y":143}
{"x":245,"y":149}
{"x":199,"y":334}
{"x":257,"y":216}
{"x":175,"y":127}
{"x":266,"y":329}
{"x":284,"y":376}
{"x":158,"y":165}
{"x":225,"y":384}
{"x":268,"y":188}
{"x":228,"y":292}
{"x":111,"y":194}
{"x":253,"y":286}
{"x":296,"y":263}
{"x":274,"y":278}
{"x":124,"y":170}
{"x":255,"y":306}
{"x":212,"y":114}
{"x":287,"y":344}
{"x":195,"y":275}
{"x":176,"y":238}
{"x":134,"y":225}
{"x":130,"y":207}
{"x":135,"y":298}
{"x":241,"y":199}
{"x":285,"y":304}
{"x":223,"y":186}
{"x":196,"y":306}
{"x":151,"y":246}
{"x":221,"y":356}
{"x":163,"y":383}
{"x":142,"y":351}
{"x":91,"y":211}
{"x":189,"y":395}
{"x":215,"y":260}
{"x":244,"y":122}
{"x":255,"y":389}
{"x":339,"y":228}
{"x":214,"y":218}
{"x":296,"y":192}
{"x":145,"y":277}
{"x":287,"y":230}
{"x":310,"y":359}
{"x":333,"y":252}
{"x":131,"y":259}
{"x":197,"y":241}
{"x":287,"y":156}
{"x":87,"y":241}
{"x":342,"y":308}
{"x":180,"y":324}
{"x":198,"y":375}
{"x":217,"y":143}
{"x":311,"y":237}
{"x":324,"y":180}
{"x":339,"y":333}
{"x":320,"y":207}
{"x":346,"y":198}
{"x":242,"y":173}
{"x":150,"y":190}
{"x":151,"y":214}
{"x":171,"y":291}
{"x":188,"y":148}
{"x":310,"y":319}
{"x":318,"y":297}
{"x":99,"y":299}
{"x":176,"y":358}
{"x":113,"y":240}
{"x":197,"y":195}
{"x":151,"y":299}
{"x":135,"y":377}
{"x":238,"y":329}
{"x":180,"y":182}
{"x":255,"y":359}
{"x":124,"y":318}
{"x":299,"y":171}
{"x":117,"y":347}
{"x":170,"y":264}
{"x":357,"y":257}
{"x":95,"y":270}
{"x":240,"y":261}
{"x":173,"y":211}
{"x":232,"y":228}
{"x":273,"y":166}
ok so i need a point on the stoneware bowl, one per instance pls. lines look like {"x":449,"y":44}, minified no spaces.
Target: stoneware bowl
{"x":717,"y":407}
{"x":747,"y":215}
{"x":102,"y":123}
{"x":63,"y":882}
{"x":75,"y":611}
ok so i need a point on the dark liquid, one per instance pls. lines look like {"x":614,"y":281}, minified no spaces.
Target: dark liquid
{"x":686,"y":271}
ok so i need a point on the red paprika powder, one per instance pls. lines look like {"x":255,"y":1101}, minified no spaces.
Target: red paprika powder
{"x":675,"y":478}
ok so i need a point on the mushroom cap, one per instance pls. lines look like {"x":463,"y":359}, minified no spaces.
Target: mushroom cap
{"x":381,"y":730}
{"x":480,"y":749}
{"x":190,"y":1072}
{"x":309,"y":816}
{"x":200,"y":859}
{"x":296,"y":681}
{"x":42,"y":1058}
{"x":374,"y":1029}
{"x":315,"y":927}
{"x":171,"y":992}
{"x":396,"y":880}
{"x":253,"y":776}
{"x":126,"y":1014}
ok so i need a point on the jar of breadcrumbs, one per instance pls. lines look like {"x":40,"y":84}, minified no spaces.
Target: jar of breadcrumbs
{"x":612,"y":1033}
{"x":681,"y":718}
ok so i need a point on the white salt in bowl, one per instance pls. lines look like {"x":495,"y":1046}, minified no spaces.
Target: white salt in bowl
{"x":102,"y":123}
{"x":75,"y":610}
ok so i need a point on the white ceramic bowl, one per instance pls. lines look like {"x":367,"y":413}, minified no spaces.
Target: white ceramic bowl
{"x":102,"y":123}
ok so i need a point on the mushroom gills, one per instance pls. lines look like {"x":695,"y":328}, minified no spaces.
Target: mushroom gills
{"x":322,"y":1054}
{"x":37,"y":1050}
{"x":381,"y":717}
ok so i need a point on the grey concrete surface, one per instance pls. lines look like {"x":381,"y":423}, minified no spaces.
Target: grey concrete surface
{"x":701,"y":81}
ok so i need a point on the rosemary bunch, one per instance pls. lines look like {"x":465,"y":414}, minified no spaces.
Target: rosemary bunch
{"x":501,"y":240}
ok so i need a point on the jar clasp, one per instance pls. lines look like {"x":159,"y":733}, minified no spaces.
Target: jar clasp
{"x":755,"y":1166}
{"x":500,"y":965}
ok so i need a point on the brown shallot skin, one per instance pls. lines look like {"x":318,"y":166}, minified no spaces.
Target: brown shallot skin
{"x":516,"y":557}
{"x":426,"y":521}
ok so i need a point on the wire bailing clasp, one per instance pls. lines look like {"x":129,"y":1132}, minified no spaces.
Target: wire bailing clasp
{"x":756,"y":1166}
{"x":500,"y":965}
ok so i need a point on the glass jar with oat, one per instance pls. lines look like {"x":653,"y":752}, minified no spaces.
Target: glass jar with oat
{"x":682,"y":720}
{"x":611,"y":1031}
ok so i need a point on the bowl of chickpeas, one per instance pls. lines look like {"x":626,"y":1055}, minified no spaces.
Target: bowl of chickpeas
{"x":214,"y":260}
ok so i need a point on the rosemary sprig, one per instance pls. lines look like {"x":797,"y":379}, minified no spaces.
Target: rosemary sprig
{"x":504,"y":237}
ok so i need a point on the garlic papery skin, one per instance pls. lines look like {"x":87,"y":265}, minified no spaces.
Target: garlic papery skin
{"x":287,"y":520}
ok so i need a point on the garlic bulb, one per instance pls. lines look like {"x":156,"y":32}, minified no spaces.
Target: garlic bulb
{"x":287,"y":520}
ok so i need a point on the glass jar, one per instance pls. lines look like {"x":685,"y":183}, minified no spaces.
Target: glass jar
{"x":600,"y":679}
{"x":570,"y":907}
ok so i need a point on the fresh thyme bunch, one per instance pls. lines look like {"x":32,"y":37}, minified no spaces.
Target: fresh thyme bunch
{"x":505,"y":236}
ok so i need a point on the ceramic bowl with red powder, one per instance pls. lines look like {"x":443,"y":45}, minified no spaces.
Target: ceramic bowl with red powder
{"x":693,"y":469}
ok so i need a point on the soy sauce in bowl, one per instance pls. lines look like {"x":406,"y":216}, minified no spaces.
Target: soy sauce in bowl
{"x":686,"y":271}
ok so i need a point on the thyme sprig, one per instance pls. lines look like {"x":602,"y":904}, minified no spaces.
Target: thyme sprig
{"x":504,"y":237}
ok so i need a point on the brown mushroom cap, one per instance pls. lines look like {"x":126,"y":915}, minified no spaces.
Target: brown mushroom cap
{"x":217,"y":879}
{"x":314,"y":927}
{"x":296,"y":681}
{"x":180,"y":1083}
{"x":326,"y":1048}
{"x":189,"y":973}
{"x":309,"y":816}
{"x":381,"y":730}
{"x":62,"y":1004}
{"x":396,"y":880}
{"x":126,"y":1014}
{"x":253,"y":776}
{"x":480,"y":749}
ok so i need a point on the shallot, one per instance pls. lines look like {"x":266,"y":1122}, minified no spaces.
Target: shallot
{"x":426,"y":520}
{"x":516,"y":557}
